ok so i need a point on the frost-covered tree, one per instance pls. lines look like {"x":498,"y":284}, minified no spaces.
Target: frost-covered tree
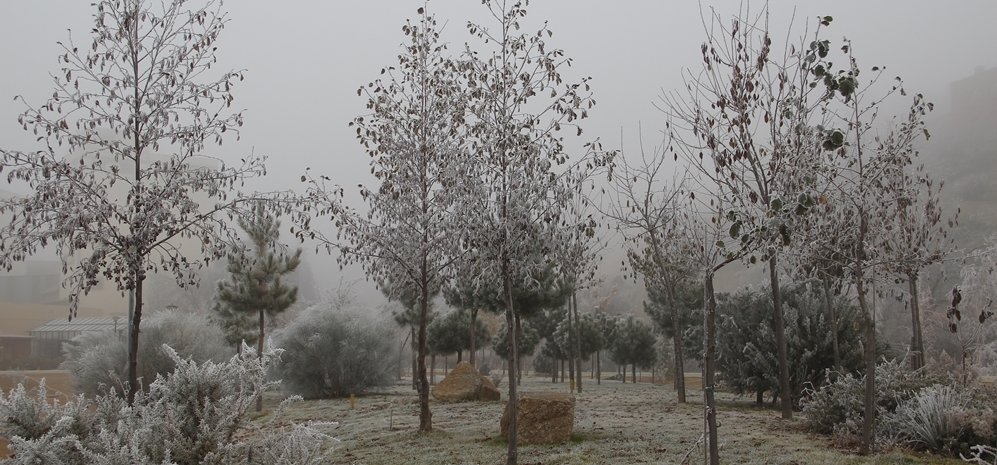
{"x":577,"y":266}
{"x":703,"y":227}
{"x":519,"y":104}
{"x":450,"y":333}
{"x":463,"y":294}
{"x":406,"y":314}
{"x":528,"y":340}
{"x":256,"y":286}
{"x":643,"y":206}
{"x":747,"y":103}
{"x":916,"y":238}
{"x":124,"y":175}
{"x":671,"y":304}
{"x":582,"y":336}
{"x":859,"y":202}
{"x":633,"y":345}
{"x":746,"y":341}
{"x":414,"y":135}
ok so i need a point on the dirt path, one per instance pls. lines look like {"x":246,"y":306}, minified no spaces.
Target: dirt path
{"x":615,"y":423}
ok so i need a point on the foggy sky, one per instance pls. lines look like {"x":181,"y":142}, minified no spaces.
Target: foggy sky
{"x":305,"y":60}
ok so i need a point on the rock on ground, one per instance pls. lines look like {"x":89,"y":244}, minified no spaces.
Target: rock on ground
{"x":464,"y":383}
{"x":543,"y":417}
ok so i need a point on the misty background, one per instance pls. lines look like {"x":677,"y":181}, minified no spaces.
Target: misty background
{"x":305,"y":60}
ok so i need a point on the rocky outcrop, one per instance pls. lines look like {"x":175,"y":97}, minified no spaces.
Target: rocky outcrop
{"x":546,"y":417}
{"x":463,"y":384}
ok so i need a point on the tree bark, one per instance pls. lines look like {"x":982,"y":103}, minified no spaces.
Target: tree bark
{"x":259,"y":352}
{"x":633,"y":372}
{"x":917,"y":340}
{"x":425,"y":415}
{"x":869,"y":414}
{"x":578,"y":345}
{"x":709,"y":354}
{"x":785,"y":392}
{"x":133,"y":385}
{"x":519,"y":363}
{"x":470,"y":352}
{"x":571,"y":350}
{"x":415,"y":359}
{"x":832,"y":319}
{"x":677,"y":342}
{"x":512,"y":453}
{"x":598,"y":367}
{"x":432,"y":369}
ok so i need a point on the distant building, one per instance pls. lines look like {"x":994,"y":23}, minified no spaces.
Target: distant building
{"x":974,"y":108}
{"x":47,"y":339}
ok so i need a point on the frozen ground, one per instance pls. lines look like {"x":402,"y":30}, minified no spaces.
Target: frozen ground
{"x":615,"y":423}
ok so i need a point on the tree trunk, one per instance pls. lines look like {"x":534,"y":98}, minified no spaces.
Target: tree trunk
{"x":133,"y":385}
{"x":259,"y":353}
{"x":571,"y":350}
{"x":432,"y":369}
{"x":578,"y":345}
{"x":869,"y":416}
{"x":519,"y":364}
{"x":415,"y":359}
{"x":622,"y":373}
{"x":917,"y":340}
{"x":709,"y":354}
{"x":785,"y":392}
{"x":471,"y":349}
{"x":512,"y":453}
{"x":677,"y":342}
{"x":633,"y":372}
{"x":598,"y":367}
{"x":425,"y":415}
{"x":832,"y":319}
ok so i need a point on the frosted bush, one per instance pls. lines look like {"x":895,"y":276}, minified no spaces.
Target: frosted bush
{"x":198,"y":414}
{"x":929,"y":420}
{"x":837,"y":407}
{"x":98,"y":360}
{"x":332,"y":353}
{"x":912,"y":410}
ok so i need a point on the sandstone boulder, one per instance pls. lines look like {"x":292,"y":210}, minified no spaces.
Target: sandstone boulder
{"x":543,"y":417}
{"x":464,"y":383}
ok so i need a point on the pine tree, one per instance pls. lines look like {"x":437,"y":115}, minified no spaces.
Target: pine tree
{"x":255,"y":285}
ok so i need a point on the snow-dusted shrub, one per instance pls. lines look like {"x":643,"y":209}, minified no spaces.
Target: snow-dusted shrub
{"x":195,"y":415}
{"x":932,"y":419}
{"x":944,"y":419}
{"x":329,"y":352}
{"x":837,"y":407}
{"x":100,"y":359}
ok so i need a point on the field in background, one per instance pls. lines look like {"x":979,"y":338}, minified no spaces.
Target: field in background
{"x":615,"y":423}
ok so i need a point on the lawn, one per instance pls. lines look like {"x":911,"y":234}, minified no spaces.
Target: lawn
{"x":615,"y":423}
